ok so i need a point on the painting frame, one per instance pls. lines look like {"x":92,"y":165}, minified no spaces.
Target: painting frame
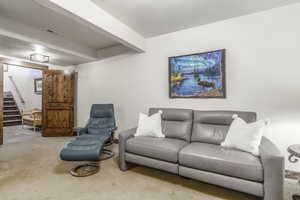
{"x":223,"y":75}
{"x":38,"y":89}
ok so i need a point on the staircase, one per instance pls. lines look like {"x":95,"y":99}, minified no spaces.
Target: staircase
{"x":11,"y":112}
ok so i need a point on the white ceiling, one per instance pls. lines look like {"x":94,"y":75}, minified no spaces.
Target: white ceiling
{"x":22,"y":49}
{"x":25,"y":23}
{"x":155,"y":17}
{"x":31,"y":13}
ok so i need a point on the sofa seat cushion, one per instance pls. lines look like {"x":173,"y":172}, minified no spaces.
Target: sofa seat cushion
{"x":214,"y":158}
{"x":165,"y":149}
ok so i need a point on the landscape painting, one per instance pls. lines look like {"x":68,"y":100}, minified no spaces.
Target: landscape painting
{"x":199,"y":75}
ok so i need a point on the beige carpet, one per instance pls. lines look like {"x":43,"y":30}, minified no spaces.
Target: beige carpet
{"x":32,"y":170}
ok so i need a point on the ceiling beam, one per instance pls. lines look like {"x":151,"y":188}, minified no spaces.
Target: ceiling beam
{"x":24,"y":32}
{"x":9,"y":61}
{"x":112,"y":51}
{"x":90,"y":14}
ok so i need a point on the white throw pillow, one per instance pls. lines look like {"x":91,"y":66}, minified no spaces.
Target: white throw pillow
{"x":150,"y":125}
{"x":244,"y":136}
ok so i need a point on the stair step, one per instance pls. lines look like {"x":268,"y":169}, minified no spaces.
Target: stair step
{"x":12,"y":117}
{"x":8,"y":99}
{"x":13,"y":120}
{"x":11,"y":112}
{"x":10,"y":106}
{"x":9,"y":102}
{"x":14,"y":123}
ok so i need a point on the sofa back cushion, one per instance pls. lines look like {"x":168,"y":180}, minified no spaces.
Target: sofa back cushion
{"x":212,"y":126}
{"x":176,"y":123}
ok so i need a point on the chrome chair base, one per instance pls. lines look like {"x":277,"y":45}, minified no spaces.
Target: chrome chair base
{"x":106,"y":154}
{"x":91,"y":168}
{"x":85,"y":170}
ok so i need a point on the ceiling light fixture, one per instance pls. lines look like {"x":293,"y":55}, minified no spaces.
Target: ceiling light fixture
{"x":36,"y":57}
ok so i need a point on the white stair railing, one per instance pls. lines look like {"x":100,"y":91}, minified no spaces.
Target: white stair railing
{"x":17,"y":90}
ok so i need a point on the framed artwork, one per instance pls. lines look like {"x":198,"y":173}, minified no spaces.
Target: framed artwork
{"x":38,"y":85}
{"x":200,"y":75}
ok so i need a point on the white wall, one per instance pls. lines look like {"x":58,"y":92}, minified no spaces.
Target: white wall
{"x":24,"y":79}
{"x":262,"y":69}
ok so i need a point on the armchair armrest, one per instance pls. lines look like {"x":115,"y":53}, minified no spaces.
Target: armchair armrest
{"x":273,"y":165}
{"x":80,"y":130}
{"x":123,"y":137}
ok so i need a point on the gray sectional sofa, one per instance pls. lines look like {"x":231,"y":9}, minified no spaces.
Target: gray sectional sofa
{"x":192,"y":149}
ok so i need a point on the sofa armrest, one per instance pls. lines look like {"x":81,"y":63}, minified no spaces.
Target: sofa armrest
{"x":273,"y":165}
{"x":123,"y":137}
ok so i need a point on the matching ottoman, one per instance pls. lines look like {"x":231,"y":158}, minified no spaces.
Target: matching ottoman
{"x":86,"y":148}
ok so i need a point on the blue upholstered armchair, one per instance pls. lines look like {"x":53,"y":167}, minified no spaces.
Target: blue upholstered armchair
{"x":101,"y":122}
{"x":91,"y":140}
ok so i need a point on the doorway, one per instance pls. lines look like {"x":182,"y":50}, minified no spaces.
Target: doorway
{"x":12,"y":102}
{"x":57,"y":99}
{"x":22,"y":103}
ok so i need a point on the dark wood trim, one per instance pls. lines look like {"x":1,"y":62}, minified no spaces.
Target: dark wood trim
{"x":223,"y":67}
{"x":1,"y":104}
{"x":9,"y":61}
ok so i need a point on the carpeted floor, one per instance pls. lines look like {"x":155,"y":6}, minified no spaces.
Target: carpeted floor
{"x":30,"y":169}
{"x":14,"y":134}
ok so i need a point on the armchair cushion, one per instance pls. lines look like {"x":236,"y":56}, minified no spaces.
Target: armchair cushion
{"x":28,"y":118}
{"x":98,"y":131}
{"x":100,"y":123}
{"x":80,"y":130}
